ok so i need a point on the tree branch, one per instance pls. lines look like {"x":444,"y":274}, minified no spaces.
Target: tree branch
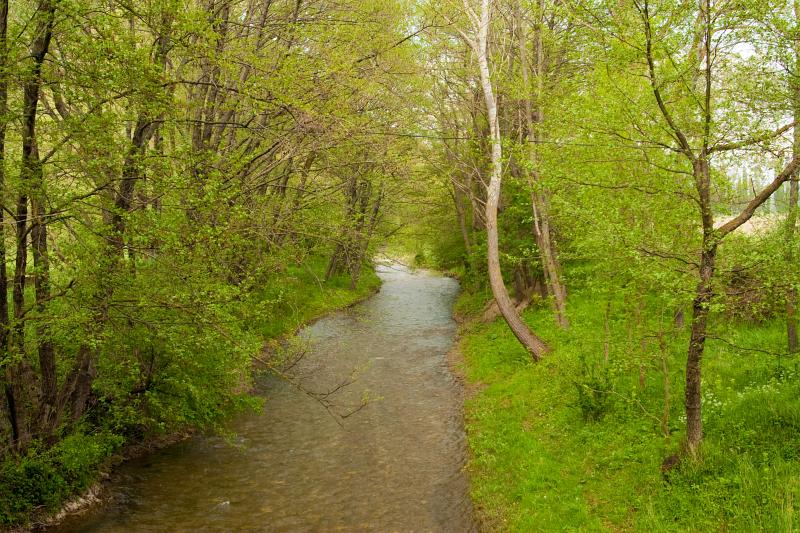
{"x":759,"y":199}
{"x":753,"y":140}
{"x":648,"y":33}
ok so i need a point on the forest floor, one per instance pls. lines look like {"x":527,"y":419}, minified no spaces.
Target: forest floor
{"x":550,"y":452}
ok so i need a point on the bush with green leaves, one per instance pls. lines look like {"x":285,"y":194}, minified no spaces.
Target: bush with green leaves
{"x":42,"y":479}
{"x":595,"y":387}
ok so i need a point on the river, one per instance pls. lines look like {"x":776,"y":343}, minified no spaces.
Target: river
{"x":396,"y":465}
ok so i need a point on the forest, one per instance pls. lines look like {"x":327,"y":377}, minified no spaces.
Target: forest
{"x":613,"y":183}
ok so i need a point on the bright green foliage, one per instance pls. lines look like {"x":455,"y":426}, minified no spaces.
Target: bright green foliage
{"x":538,"y":464}
{"x":43,"y":479}
{"x":182,"y":181}
{"x":646,"y":126}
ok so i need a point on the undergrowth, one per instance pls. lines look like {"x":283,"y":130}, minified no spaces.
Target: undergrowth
{"x":576,"y":442}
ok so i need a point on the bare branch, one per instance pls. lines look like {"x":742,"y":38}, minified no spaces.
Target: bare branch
{"x":759,"y":199}
{"x":753,"y":140}
{"x":648,"y":33}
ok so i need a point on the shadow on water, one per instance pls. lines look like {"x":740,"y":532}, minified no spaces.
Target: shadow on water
{"x":394,"y":466}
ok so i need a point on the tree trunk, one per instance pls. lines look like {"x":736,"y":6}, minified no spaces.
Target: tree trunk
{"x":523,"y":282}
{"x":357,"y":238}
{"x":49,"y":412}
{"x":17,"y":333}
{"x":791,"y":217}
{"x":540,"y":199}
{"x":791,"y":293}
{"x":535,"y":346}
{"x":549,"y":258}
{"x":131,"y":174}
{"x":355,"y":272}
{"x":32,"y":178}
{"x":705,"y":291}
{"x":5,"y":373}
{"x":341,"y":253}
{"x":700,"y":308}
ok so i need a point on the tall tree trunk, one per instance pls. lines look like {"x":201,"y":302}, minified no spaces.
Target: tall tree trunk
{"x":700,"y":308}
{"x":31,"y":174}
{"x":17,"y":333}
{"x":6,"y":374}
{"x":535,"y":346}
{"x":791,"y":223}
{"x":701,"y":171}
{"x":540,"y":199}
{"x":791,"y":218}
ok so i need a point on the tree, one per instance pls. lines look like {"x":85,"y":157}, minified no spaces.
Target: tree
{"x":683,"y":72}
{"x":479,"y":42}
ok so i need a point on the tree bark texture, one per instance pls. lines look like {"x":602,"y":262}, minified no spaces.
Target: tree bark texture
{"x":532,"y":343}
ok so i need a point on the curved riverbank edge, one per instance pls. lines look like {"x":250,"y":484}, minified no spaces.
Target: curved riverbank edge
{"x":95,"y":494}
{"x":458,"y":365}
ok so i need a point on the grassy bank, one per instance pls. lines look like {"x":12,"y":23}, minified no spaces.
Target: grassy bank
{"x":36,"y":486}
{"x":301,"y":295}
{"x":576,"y":443}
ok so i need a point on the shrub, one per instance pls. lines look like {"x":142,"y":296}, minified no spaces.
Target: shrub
{"x":595,"y":386}
{"x":43,"y":480}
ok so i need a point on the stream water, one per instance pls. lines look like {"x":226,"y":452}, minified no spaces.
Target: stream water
{"x":394,"y":466}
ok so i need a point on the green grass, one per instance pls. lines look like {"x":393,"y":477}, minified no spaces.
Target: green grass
{"x":538,"y":464}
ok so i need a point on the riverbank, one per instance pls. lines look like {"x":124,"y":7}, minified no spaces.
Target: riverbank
{"x":81,"y":501}
{"x":573,"y":443}
{"x":48,"y":485}
{"x":394,"y":463}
